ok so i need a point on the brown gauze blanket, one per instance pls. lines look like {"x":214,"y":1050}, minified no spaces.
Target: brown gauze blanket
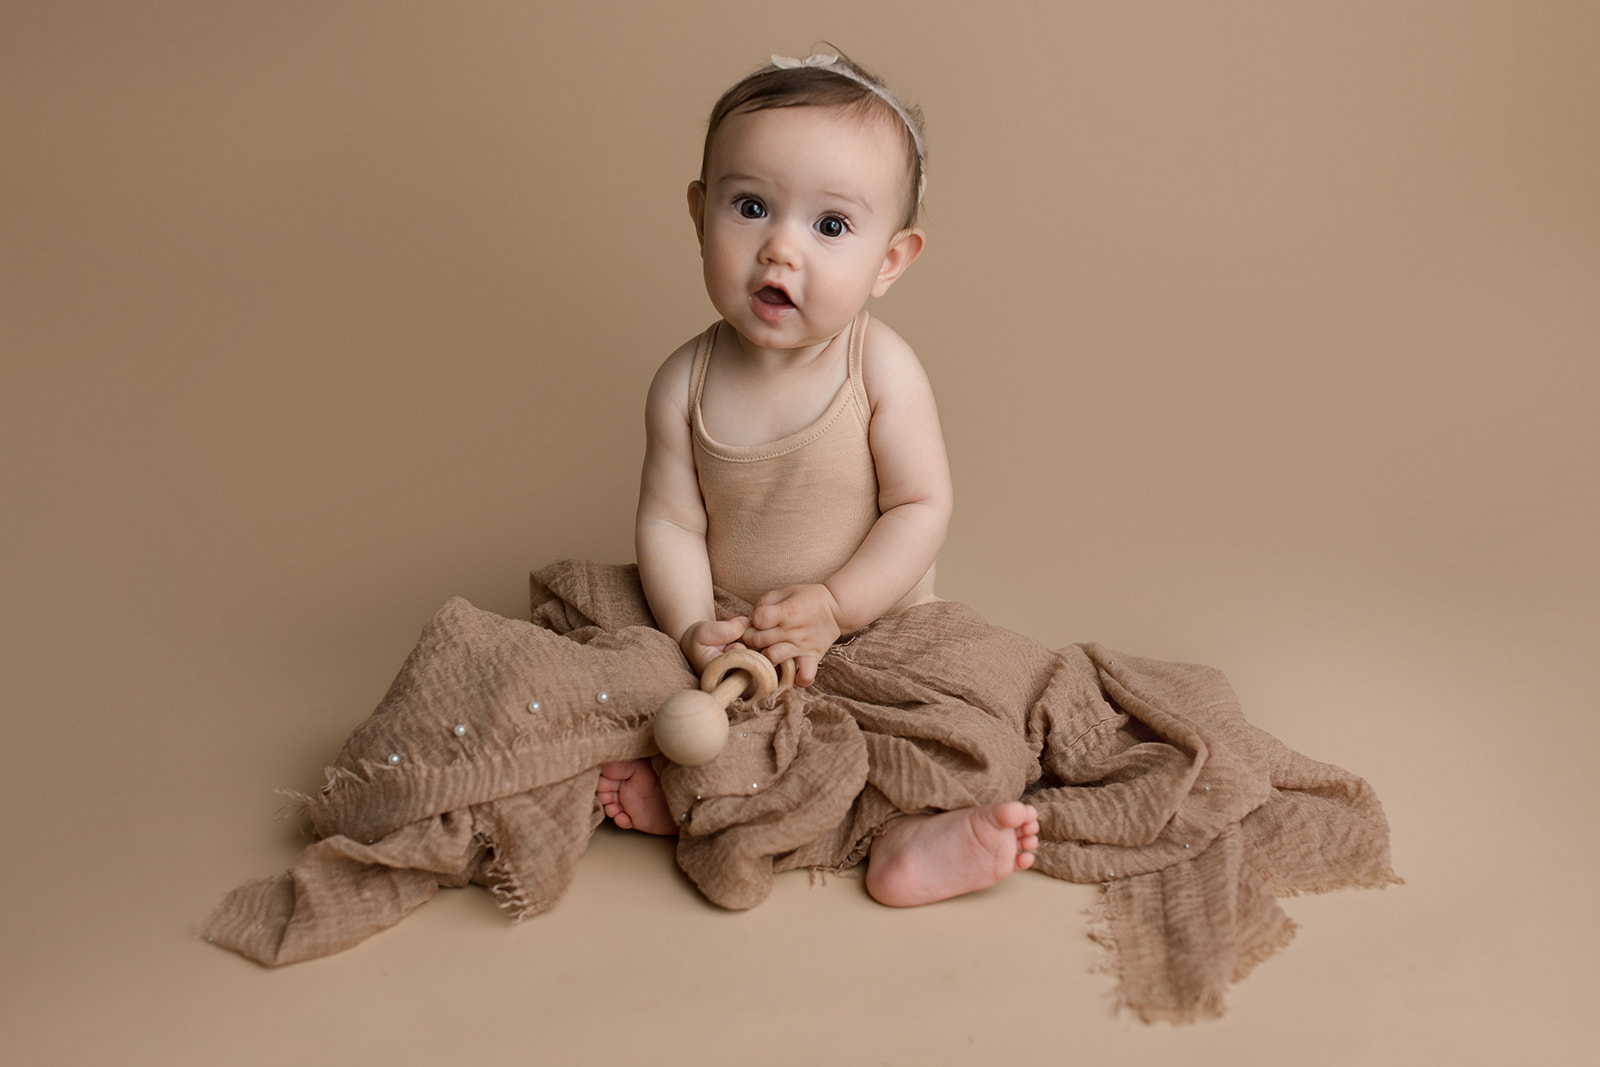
{"x":480,"y":765}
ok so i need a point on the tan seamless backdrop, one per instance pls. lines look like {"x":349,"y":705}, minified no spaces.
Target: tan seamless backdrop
{"x":1265,"y":334}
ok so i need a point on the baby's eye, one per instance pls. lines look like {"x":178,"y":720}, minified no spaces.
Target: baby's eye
{"x":750,"y":208}
{"x":832,"y":226}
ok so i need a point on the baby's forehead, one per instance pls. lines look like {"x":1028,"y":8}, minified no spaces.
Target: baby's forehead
{"x":881,"y":124}
{"x":866,"y":144}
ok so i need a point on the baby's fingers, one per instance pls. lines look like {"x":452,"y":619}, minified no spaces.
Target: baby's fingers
{"x":766,"y":616}
{"x":724,"y":632}
{"x":805,"y":663}
{"x":762,"y":639}
{"x":805,"y":670}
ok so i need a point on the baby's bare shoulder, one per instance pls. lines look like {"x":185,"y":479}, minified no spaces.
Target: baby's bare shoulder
{"x":681,"y":360}
{"x":670,"y":386}
{"x":889,"y":366}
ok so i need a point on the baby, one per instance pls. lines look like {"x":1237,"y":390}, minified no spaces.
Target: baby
{"x":793,"y":452}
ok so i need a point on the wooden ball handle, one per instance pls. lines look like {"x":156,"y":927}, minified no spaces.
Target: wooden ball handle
{"x":692,"y":726}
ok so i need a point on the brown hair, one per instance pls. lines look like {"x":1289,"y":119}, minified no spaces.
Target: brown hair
{"x":819,"y":86}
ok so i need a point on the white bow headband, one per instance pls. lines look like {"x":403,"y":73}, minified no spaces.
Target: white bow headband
{"x":831,"y":64}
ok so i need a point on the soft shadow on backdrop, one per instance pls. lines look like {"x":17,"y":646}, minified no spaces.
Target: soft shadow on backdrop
{"x":1265,"y":337}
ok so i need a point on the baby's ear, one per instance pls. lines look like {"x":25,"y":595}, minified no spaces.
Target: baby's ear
{"x":697,"y":210}
{"x":903,"y":251}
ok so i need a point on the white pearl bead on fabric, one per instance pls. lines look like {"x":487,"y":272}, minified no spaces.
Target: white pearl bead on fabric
{"x":461,"y":730}
{"x":394,"y":757}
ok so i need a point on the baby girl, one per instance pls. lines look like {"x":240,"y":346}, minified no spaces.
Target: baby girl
{"x":794,"y":456}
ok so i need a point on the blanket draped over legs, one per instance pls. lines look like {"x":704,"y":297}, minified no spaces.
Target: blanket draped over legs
{"x":480,"y":765}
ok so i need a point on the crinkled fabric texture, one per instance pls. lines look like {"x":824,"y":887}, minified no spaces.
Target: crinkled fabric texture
{"x":480,"y":765}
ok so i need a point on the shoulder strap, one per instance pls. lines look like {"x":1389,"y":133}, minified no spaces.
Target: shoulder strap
{"x":858,"y":380}
{"x":702,"y":360}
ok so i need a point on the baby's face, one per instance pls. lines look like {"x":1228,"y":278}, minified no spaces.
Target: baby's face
{"x":799,"y":219}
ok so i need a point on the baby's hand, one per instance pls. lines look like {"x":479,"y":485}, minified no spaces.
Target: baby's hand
{"x":705,"y":641}
{"x":798,"y":622}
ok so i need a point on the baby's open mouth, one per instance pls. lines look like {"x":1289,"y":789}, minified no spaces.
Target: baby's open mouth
{"x":771,"y":294}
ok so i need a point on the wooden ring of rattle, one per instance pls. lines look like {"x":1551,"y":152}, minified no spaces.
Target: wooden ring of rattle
{"x":692,"y":726}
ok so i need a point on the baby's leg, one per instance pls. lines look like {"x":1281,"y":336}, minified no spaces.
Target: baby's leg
{"x":923,"y":858}
{"x":631,"y":796}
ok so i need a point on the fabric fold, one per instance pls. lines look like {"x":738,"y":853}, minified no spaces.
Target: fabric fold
{"x":481,"y":762}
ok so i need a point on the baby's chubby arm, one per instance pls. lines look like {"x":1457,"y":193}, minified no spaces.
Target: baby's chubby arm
{"x":670,"y":525}
{"x":914,"y":501}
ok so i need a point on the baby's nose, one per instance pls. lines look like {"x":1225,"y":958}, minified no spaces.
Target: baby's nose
{"x":781,"y":248}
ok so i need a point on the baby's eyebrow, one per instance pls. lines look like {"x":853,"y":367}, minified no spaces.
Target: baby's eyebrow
{"x":849,"y":198}
{"x":736,"y":179}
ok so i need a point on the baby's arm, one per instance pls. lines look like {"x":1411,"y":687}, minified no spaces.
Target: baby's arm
{"x":914,"y":499}
{"x":670,"y":526}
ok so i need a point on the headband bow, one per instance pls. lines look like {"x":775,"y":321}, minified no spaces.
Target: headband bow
{"x":830,"y":63}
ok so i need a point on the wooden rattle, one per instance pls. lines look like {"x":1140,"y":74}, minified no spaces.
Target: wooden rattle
{"x":692,"y":726}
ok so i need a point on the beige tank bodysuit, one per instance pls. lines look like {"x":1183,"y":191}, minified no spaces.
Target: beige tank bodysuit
{"x":791,"y":511}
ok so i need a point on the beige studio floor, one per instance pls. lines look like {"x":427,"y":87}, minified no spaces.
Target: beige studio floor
{"x":1265,"y":334}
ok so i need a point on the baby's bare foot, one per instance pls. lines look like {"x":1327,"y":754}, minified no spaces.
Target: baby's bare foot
{"x":923,"y":858}
{"x":631,"y":796}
